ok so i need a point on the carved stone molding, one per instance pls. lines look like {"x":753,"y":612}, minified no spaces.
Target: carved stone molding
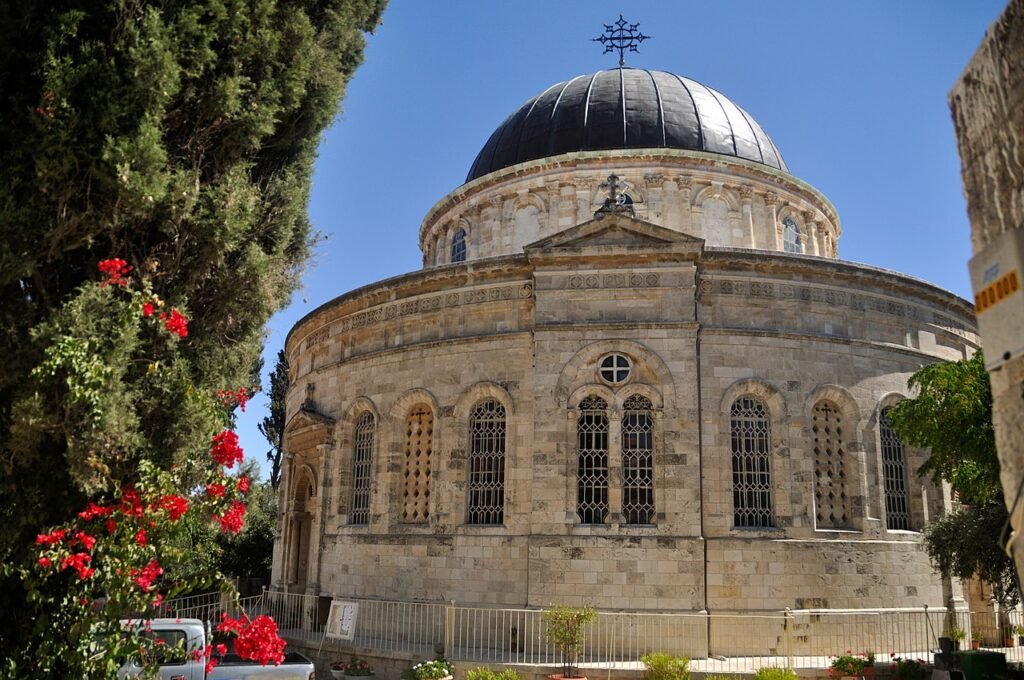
{"x":771,"y":198}
{"x":613,"y":280}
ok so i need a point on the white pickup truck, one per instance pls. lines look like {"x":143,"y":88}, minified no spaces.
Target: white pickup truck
{"x":191,"y":634}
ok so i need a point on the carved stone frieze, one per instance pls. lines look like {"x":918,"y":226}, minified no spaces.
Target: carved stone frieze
{"x":614,"y":280}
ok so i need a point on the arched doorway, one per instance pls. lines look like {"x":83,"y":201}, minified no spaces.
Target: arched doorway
{"x":300,"y":524}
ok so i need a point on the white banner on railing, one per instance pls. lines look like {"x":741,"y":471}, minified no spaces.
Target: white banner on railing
{"x":341,"y":620}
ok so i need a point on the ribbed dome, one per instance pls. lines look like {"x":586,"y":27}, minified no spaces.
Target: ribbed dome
{"x":625,"y":108}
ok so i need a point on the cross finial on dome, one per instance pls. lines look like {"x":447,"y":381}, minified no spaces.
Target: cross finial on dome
{"x":622,"y":36}
{"x":617,"y":202}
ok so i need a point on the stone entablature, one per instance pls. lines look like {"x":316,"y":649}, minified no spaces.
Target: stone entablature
{"x":725,"y":202}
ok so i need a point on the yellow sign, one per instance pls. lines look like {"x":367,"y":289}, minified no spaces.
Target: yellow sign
{"x":997,"y":291}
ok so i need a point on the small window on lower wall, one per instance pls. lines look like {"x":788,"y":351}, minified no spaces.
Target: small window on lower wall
{"x":592,"y":461}
{"x":486,"y":501}
{"x":362,"y":464}
{"x":894,"y":475}
{"x":750,"y":435}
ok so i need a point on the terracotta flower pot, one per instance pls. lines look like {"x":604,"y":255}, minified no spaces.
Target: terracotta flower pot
{"x":559,"y":676}
{"x":975,"y":644}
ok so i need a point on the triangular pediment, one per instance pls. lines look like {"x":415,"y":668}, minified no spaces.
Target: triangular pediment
{"x":615,"y":231}
{"x":307,"y":417}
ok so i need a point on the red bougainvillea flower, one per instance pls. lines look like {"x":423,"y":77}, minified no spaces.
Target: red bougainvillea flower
{"x":115,"y":271}
{"x":243,"y":484}
{"x":176,"y":506}
{"x":86,"y":540}
{"x":210,"y":665}
{"x":222,"y":649}
{"x":55,"y":536}
{"x":92,"y":511}
{"x":140,"y":537}
{"x":215,"y":490}
{"x":229,"y":398}
{"x":78,"y":562}
{"x":45,"y":562}
{"x":144,"y":577}
{"x":257,"y":639}
{"x":226,"y":450}
{"x":131,"y":503}
{"x":233,"y":520}
{"x":147,"y":309}
{"x":175,"y":322}
{"x":111,"y":526}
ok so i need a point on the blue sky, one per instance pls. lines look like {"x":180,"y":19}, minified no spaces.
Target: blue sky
{"x":852,"y":93}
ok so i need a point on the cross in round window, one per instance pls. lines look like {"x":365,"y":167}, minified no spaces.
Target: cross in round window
{"x":615,"y":369}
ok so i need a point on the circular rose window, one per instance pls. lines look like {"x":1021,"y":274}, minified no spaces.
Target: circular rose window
{"x":615,"y":369}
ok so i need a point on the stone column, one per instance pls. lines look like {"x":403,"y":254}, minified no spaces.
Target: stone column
{"x":813,"y":233}
{"x":685,"y":183}
{"x":987,"y":104}
{"x":771,"y":199}
{"x":653,"y":185}
{"x":747,"y":196}
{"x":583,"y":188}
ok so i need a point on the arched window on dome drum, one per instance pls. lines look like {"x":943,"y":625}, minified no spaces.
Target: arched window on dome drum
{"x":791,"y":237}
{"x":362,"y":463}
{"x":486,"y":502}
{"x":419,"y":430}
{"x":750,"y":430}
{"x":637,"y":461}
{"x":592,"y":461}
{"x":894,"y":475}
{"x":831,"y":501}
{"x":459,"y":246}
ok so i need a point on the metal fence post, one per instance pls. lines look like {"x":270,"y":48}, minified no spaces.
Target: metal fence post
{"x":449,"y":630}
{"x":789,"y":637}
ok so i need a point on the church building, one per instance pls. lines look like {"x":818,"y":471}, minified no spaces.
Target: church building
{"x":632,"y":373}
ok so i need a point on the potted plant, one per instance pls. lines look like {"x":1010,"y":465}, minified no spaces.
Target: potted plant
{"x":353,"y":668}
{"x":1020,"y":634}
{"x":907,"y":669}
{"x":661,"y":666}
{"x":438,"y":669}
{"x":774,"y":673}
{"x":1008,"y":631}
{"x":859,"y":665}
{"x":563,"y":627}
{"x":957,"y":635}
{"x":975,"y":640}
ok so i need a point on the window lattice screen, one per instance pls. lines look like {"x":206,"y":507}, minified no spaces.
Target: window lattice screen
{"x":362,"y":463}
{"x":750,"y":430}
{"x":637,"y":461}
{"x":419,"y":429}
{"x":486,"y":503}
{"x":459,"y":246}
{"x":592,"y":461}
{"x":894,"y":475}
{"x":831,"y":502}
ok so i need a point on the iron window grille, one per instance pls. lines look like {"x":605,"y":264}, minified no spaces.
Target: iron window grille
{"x":750,"y":430}
{"x":362,"y":462}
{"x":831,"y":503}
{"x":614,"y":369}
{"x":637,"y":461}
{"x":791,"y":237}
{"x":419,"y":429}
{"x":486,"y":464}
{"x":459,"y":246}
{"x":592,"y":461}
{"x":894,"y":475}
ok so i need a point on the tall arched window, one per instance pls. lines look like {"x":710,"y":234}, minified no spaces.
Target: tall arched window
{"x":459,"y":246}
{"x":592,"y":461}
{"x":791,"y":237}
{"x":486,"y":502}
{"x":750,"y":430}
{"x":419,"y":430}
{"x":894,"y":475}
{"x":362,"y":463}
{"x":831,"y":502}
{"x":637,"y":461}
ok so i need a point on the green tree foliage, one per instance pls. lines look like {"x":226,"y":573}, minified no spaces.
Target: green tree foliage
{"x":272,"y":426}
{"x":952,"y":416}
{"x":180,"y":137}
{"x":250,"y":552}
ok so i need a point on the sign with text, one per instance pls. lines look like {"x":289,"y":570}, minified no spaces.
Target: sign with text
{"x":341,"y":620}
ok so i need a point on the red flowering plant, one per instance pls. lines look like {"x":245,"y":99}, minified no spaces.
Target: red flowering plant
{"x":852,"y":664}
{"x":100,"y":575}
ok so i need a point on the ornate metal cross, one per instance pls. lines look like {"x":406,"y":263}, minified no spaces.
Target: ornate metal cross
{"x":616,"y":201}
{"x":622,"y":36}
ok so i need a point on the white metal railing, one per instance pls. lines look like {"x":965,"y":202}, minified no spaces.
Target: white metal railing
{"x":715,"y":643}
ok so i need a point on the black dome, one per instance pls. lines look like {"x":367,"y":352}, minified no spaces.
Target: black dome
{"x":625,"y":108}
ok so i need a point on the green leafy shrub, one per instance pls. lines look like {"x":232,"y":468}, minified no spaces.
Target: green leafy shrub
{"x":433,"y":670}
{"x":563,"y":627}
{"x":774,"y":673}
{"x":662,"y":666}
{"x":484,"y":673}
